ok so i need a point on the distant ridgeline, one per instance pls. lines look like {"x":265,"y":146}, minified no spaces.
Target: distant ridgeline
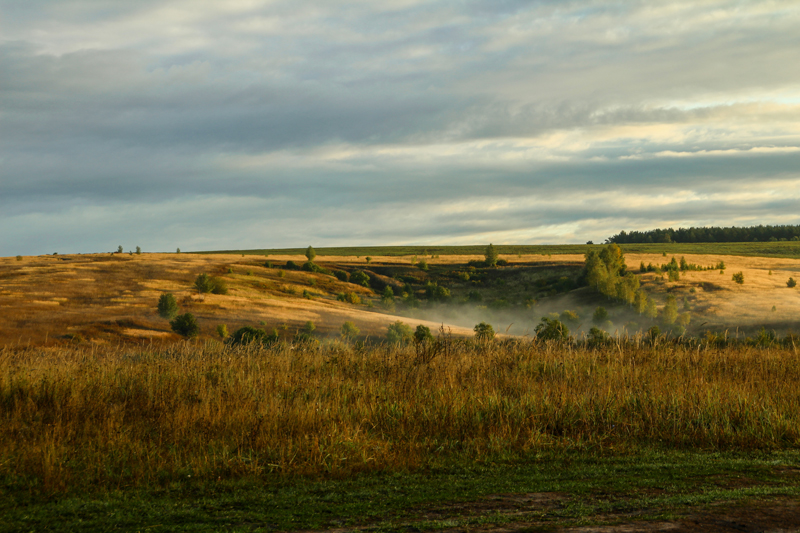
{"x":732,"y":234}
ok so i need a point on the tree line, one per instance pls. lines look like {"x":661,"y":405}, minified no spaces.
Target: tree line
{"x":712,"y":234}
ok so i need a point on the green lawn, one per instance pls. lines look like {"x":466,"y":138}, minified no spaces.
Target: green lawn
{"x":766,"y":249}
{"x":579,"y":489}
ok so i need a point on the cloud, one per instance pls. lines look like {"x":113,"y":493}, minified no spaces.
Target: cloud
{"x":415,"y":121}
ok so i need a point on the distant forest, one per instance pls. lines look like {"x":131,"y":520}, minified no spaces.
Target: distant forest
{"x":732,"y":234}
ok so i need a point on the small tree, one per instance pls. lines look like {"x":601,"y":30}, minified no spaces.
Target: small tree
{"x":19,"y":258}
{"x":177,"y":251}
{"x":349,"y":331}
{"x":138,"y":250}
{"x":309,"y":327}
{"x":551,"y":329}
{"x":600,"y":315}
{"x":670,"y":312}
{"x":738,"y":277}
{"x":167,"y":306}
{"x":399,"y":332}
{"x":310,"y":253}
{"x":483,"y":332}
{"x":222,"y":331}
{"x":423,"y":334}
{"x":791,"y":283}
{"x":369,"y":259}
{"x":491,"y":256}
{"x":185,"y":325}
{"x":119,"y":249}
{"x":205,"y":284}
{"x":422,"y":265}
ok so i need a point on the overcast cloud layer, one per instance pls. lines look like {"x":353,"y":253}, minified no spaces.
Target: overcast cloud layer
{"x":250,"y":124}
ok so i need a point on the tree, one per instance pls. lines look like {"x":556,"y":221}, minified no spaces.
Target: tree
{"x":138,"y":250}
{"x":222,"y":331}
{"x":422,"y":334}
{"x":491,"y":256}
{"x":167,"y":306}
{"x":791,"y":283}
{"x":205,"y":284}
{"x":551,"y":329}
{"x":483,"y":332}
{"x":670,"y":312}
{"x":399,"y":332}
{"x":250,"y":335}
{"x":349,"y":331}
{"x":739,"y":278}
{"x":185,"y":325}
{"x":359,"y":277}
{"x":177,"y":251}
{"x":119,"y":249}
{"x":600,"y":315}
{"x":310,"y":253}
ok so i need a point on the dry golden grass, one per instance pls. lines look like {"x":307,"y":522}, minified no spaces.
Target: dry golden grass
{"x":107,"y":417}
{"x":112,"y":298}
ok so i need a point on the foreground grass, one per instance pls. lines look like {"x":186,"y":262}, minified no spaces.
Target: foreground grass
{"x":750,"y":249}
{"x":546,"y":490}
{"x":128,"y":418}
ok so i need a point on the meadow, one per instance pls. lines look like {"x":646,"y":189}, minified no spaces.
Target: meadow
{"x":108,"y":414}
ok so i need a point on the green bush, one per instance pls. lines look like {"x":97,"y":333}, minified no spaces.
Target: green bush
{"x":423,"y":334}
{"x":250,"y":335}
{"x":167,"y":306}
{"x":399,"y":332}
{"x":138,"y":250}
{"x":600,"y":315}
{"x":791,"y":283}
{"x":550,"y":329}
{"x":222,"y":331}
{"x":342,"y":275}
{"x":422,"y":265}
{"x":185,"y":325}
{"x":597,"y":337}
{"x":491,"y":256}
{"x":210,"y":284}
{"x":570,"y":317}
{"x":19,"y":258}
{"x":483,"y":332}
{"x":349,"y":297}
{"x":359,"y":277}
{"x":349,"y":331}
{"x":738,"y":277}
{"x":310,"y":254}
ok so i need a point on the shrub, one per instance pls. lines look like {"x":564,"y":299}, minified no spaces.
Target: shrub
{"x":597,"y":337}
{"x":502,"y":262}
{"x":342,"y":275}
{"x":178,"y":250}
{"x":670,"y":312}
{"x":349,"y":297}
{"x":600,"y":315}
{"x":185,"y":325}
{"x":551,"y":329}
{"x":291,"y":265}
{"x":423,"y":334}
{"x":310,"y":254}
{"x":167,"y":306}
{"x":359,"y":277}
{"x":684,"y":319}
{"x":349,"y":331}
{"x":570,"y":317}
{"x":399,"y":332}
{"x":138,"y":250}
{"x":205,"y":284}
{"x":436,"y":292}
{"x":309,"y":327}
{"x":738,"y":277}
{"x":119,"y":249}
{"x":422,"y":265}
{"x":483,"y":332}
{"x":369,"y":259}
{"x":474,"y":297}
{"x":674,"y":275}
{"x":791,"y":283}
{"x":222,"y":331}
{"x":19,"y":258}
{"x":250,"y":335}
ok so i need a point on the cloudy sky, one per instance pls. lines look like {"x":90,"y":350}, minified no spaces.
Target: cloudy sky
{"x":271,"y":123}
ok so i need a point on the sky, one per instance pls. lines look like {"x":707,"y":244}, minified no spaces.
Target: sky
{"x":267,"y":123}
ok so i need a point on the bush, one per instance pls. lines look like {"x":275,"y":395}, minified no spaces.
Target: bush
{"x":19,"y":258}
{"x":291,"y":265}
{"x":739,"y":278}
{"x":349,"y":331}
{"x":138,"y":250}
{"x":185,"y":325}
{"x":501,"y":263}
{"x":222,"y":331}
{"x":551,"y":329}
{"x":597,"y":337}
{"x":483,"y":332}
{"x":359,"y":277}
{"x":250,"y":335}
{"x":349,"y":297}
{"x":342,"y":275}
{"x":119,"y":249}
{"x":310,"y":254}
{"x":422,"y":265}
{"x":600,"y":315}
{"x":167,"y":306}
{"x":491,"y":256}
{"x":309,"y":327}
{"x":399,"y":332}
{"x":791,"y":283}
{"x":423,"y":334}
{"x":570,"y":317}
{"x":205,"y":284}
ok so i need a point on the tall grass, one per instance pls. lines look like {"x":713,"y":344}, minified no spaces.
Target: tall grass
{"x":120,"y":417}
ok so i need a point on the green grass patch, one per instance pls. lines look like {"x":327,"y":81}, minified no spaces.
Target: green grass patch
{"x":753,"y":249}
{"x":572,"y":489}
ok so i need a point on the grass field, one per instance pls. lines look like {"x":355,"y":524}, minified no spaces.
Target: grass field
{"x":750,"y":249}
{"x":110,"y":421}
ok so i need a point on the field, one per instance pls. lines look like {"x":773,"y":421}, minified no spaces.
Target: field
{"x":111,"y":421}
